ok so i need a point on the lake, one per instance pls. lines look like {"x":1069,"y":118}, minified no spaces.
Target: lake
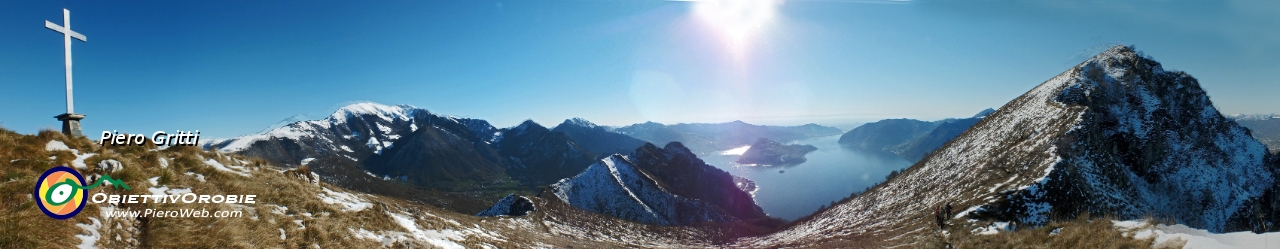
{"x":830,"y":173}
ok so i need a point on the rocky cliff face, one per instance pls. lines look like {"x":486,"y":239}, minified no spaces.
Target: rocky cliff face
{"x":1115,"y":135}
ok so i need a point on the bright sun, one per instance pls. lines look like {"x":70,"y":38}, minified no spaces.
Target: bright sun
{"x":737,"y":21}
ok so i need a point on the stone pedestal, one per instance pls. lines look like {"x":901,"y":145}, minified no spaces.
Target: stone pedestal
{"x":71,"y":124}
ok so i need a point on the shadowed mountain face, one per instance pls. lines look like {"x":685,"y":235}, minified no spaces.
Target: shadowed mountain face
{"x":917,"y":148}
{"x":706,"y":138}
{"x":437,"y":158}
{"x":538,"y":156}
{"x":686,"y":175}
{"x":909,"y":138}
{"x":885,"y":135}
{"x":1114,"y":135}
{"x":597,"y":139}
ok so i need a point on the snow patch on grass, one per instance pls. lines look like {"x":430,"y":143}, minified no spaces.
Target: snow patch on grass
{"x":90,"y":240}
{"x":1197,"y":238}
{"x":196,"y":175}
{"x":349,"y":202}
{"x":441,"y":238}
{"x":55,"y":145}
{"x":79,"y":162}
{"x":238,"y":170}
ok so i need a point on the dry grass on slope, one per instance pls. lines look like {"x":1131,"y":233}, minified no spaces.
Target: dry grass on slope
{"x":1082,"y":232}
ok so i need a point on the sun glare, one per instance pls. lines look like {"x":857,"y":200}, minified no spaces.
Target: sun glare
{"x":737,"y":21}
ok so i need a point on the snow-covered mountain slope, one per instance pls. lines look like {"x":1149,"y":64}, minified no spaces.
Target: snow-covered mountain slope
{"x":616,"y":187}
{"x":413,"y":145}
{"x":1114,"y":135}
{"x":441,"y":151}
{"x":356,"y":131}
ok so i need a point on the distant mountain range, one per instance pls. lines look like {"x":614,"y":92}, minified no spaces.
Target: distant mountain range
{"x":1116,"y":135}
{"x":374,"y":147}
{"x":1266,"y":128}
{"x":912,"y":139}
{"x":708,"y":138}
{"x":598,"y":139}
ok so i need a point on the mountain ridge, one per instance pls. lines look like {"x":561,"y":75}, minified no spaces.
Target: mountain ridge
{"x":1060,"y":150}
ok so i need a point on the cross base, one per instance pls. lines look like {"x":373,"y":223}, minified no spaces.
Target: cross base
{"x":71,"y":124}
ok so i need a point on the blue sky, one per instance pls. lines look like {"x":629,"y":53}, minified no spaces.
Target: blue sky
{"x":230,"y":68}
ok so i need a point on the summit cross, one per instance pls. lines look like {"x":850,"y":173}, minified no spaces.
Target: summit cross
{"x":67,"y":34}
{"x":70,"y":120}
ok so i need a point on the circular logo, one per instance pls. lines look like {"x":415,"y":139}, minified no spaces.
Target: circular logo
{"x":59,"y":192}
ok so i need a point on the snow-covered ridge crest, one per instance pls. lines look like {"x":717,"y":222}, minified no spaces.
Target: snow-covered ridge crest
{"x":581,"y":122}
{"x":308,"y":128}
{"x":386,"y":112}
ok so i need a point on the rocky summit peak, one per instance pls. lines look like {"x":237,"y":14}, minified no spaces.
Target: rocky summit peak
{"x":580,"y":122}
{"x":527,"y":126}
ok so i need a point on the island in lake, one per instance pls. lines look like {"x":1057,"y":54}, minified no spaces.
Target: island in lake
{"x":767,"y":152}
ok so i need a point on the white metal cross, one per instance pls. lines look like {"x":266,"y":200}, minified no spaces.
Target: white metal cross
{"x":67,"y":34}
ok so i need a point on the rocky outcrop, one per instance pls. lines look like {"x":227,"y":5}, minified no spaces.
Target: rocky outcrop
{"x":512,"y":205}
